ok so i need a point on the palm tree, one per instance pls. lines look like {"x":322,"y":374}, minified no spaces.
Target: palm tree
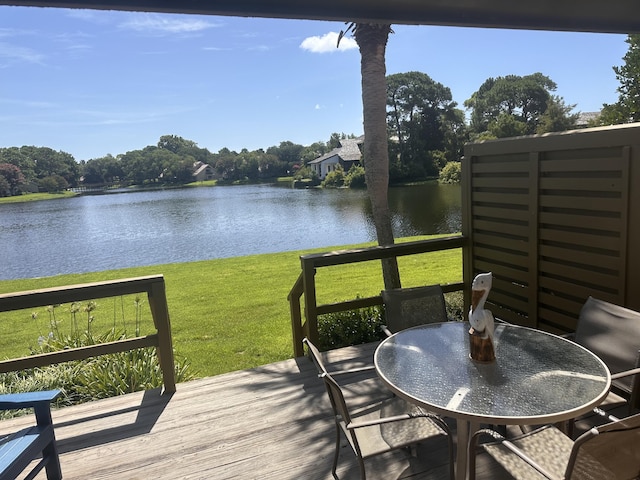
{"x":372,"y":41}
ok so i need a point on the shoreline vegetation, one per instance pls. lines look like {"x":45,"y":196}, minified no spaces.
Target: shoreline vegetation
{"x":226,"y":314}
{"x":281,"y":181}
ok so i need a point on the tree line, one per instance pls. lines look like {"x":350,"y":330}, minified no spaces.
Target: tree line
{"x":425,"y":127}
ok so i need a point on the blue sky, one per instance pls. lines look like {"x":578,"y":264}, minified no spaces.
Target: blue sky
{"x":96,"y":82}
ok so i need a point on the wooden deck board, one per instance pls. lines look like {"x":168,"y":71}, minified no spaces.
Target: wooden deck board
{"x":271,"y":422}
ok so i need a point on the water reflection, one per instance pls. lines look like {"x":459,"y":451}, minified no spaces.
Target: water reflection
{"x":92,"y":233}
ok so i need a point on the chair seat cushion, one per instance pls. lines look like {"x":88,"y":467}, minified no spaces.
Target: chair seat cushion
{"x":380,"y":438}
{"x":547,"y":446}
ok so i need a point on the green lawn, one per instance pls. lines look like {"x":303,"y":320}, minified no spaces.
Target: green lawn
{"x":226,"y":314}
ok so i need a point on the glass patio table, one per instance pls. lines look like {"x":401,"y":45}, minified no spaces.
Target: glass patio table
{"x":537,"y":378}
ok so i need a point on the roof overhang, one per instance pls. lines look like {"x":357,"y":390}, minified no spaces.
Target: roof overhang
{"x":612,"y":16}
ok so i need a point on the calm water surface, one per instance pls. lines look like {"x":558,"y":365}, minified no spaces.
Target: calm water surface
{"x":104,"y":232}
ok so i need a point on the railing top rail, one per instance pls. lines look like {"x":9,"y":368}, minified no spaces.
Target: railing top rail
{"x":79,"y":292}
{"x":378,"y":252}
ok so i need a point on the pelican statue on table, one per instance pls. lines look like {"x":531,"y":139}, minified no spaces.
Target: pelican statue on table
{"x":481,"y":320}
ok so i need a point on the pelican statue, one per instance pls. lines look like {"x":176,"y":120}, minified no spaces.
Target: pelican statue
{"x":481,"y":320}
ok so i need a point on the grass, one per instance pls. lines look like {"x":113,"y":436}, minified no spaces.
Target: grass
{"x":32,"y":197}
{"x":226,"y":314}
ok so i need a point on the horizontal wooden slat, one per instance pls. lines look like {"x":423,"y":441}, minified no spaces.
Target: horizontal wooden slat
{"x":611,"y":223}
{"x":585,"y":258}
{"x":579,"y":275}
{"x":501,"y":256}
{"x":589,"y":185}
{"x":501,"y":211}
{"x":501,"y":199}
{"x":599,"y":164}
{"x":503,"y":182}
{"x":78,"y":353}
{"x":581,"y":239}
{"x":76,"y":293}
{"x":502,"y":227}
{"x":484,"y":238}
{"x":581,"y":203}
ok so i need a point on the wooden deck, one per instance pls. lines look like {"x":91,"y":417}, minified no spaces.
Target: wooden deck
{"x":271,"y":422}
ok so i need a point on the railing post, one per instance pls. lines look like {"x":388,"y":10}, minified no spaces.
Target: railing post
{"x":297,"y":332}
{"x":160,"y":313}
{"x":310,"y":306}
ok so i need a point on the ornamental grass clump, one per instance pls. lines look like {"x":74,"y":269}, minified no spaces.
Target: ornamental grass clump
{"x":93,"y":378}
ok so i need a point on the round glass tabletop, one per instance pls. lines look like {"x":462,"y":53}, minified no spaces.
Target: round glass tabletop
{"x":537,"y":377}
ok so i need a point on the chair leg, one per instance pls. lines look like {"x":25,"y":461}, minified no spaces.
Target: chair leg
{"x":363,"y":473}
{"x":50,"y":453}
{"x":335,"y":457}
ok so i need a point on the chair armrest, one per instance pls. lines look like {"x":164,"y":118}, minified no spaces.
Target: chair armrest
{"x":473,"y":443}
{"x":13,"y":401}
{"x":352,"y":370}
{"x":386,"y":330}
{"x":626,"y":373}
{"x":397,"y":418}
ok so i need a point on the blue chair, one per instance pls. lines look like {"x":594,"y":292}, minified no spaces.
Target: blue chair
{"x":19,"y":449}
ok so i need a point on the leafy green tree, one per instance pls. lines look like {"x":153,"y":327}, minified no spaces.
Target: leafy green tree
{"x":422,"y":118}
{"x":557,"y":117}
{"x":451,"y":173}
{"x":288,"y":152}
{"x":524,"y":98}
{"x":184,"y":148}
{"x":506,"y":125}
{"x":627,"y":108}
{"x":106,"y":170}
{"x":311,"y":152}
{"x":17,"y":157}
{"x":53,"y":184}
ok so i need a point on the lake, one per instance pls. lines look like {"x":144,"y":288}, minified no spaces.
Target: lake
{"x":119,"y":230}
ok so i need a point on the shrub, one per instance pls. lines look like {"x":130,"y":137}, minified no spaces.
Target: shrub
{"x":451,"y":173}
{"x":334,"y":179}
{"x":352,"y":327}
{"x":455,"y":306}
{"x":355,"y":177}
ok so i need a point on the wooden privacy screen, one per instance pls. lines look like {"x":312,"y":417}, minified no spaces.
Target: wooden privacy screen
{"x":556,"y":218}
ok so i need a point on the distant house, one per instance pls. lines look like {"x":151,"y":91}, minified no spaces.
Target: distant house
{"x":585,"y":117}
{"x":203,"y":171}
{"x":347,"y":155}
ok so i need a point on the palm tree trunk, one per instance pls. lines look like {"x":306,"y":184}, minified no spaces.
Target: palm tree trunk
{"x":372,"y":41}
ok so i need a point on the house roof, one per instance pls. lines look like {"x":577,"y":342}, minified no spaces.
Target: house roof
{"x":348,"y":151}
{"x":618,"y":16}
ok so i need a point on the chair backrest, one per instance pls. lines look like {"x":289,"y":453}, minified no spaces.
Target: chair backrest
{"x":610,"y":451}
{"x":337,"y":398}
{"x":409,"y":307}
{"x":613,"y":333}
{"x":315,"y":355}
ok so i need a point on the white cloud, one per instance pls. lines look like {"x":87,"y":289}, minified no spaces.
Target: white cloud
{"x":13,"y":53}
{"x":152,"y":23}
{"x":328,"y":43}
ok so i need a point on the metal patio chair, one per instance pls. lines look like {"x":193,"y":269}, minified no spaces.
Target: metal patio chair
{"x":606,"y":452}
{"x":613,"y":333}
{"x":381,"y":427}
{"x":409,"y":307}
{"x":359,"y":384}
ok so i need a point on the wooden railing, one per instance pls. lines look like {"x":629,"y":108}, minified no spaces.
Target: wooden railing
{"x":153,"y":286}
{"x":305,"y":284}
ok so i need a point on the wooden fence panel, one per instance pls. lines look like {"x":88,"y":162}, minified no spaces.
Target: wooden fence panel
{"x":553,"y":217}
